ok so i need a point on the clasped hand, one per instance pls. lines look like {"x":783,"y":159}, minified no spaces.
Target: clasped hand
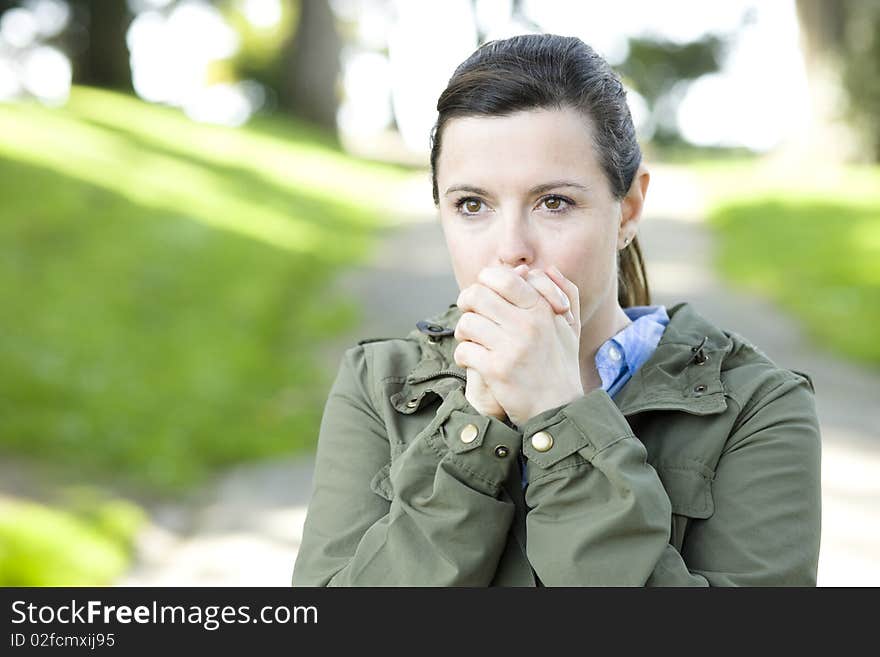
{"x":519,"y":335}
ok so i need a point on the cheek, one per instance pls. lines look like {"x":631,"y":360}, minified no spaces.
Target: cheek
{"x":588,"y":261}
{"x":465,"y":256}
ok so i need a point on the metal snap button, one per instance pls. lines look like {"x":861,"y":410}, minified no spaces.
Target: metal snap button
{"x":542,"y":441}
{"x":700,"y":389}
{"x":433,"y":330}
{"x":412,"y":403}
{"x":468,"y":434}
{"x":501,"y":451}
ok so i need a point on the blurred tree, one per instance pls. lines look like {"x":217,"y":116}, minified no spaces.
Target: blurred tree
{"x":104,"y":59}
{"x":259,"y":55}
{"x":661,"y":72}
{"x":841,"y":50}
{"x":310,"y":66}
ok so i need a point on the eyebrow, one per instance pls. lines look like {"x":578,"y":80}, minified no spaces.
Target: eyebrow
{"x":537,"y":189}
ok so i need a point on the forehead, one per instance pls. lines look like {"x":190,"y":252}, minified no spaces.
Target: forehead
{"x":518,"y":148}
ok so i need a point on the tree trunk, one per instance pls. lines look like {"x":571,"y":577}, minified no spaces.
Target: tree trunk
{"x":822,"y":28}
{"x":311,"y":66}
{"x":104,"y":61}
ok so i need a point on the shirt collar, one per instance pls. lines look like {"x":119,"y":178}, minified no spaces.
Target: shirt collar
{"x":627,"y":351}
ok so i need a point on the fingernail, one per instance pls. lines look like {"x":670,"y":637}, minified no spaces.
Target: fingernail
{"x":569,"y":317}
{"x":564,"y":299}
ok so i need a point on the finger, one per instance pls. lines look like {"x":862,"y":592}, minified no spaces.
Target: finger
{"x":480,"y":396}
{"x":569,"y":321}
{"x":479,"y":329}
{"x":509,"y":286}
{"x":571,"y":291}
{"x":472,"y":355}
{"x":551,"y":292}
{"x":478,"y":298}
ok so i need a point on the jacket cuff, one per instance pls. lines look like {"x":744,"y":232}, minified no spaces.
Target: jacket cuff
{"x":586,"y":425}
{"x":482,"y":448}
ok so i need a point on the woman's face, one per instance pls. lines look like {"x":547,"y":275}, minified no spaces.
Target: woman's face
{"x":528,"y":189}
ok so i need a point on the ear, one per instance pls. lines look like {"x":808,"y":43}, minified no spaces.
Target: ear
{"x":632,"y":204}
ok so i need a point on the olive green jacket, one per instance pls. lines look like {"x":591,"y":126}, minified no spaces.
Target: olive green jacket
{"x":703,"y":470}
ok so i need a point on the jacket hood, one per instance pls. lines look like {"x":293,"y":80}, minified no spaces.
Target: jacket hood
{"x":683,"y":373}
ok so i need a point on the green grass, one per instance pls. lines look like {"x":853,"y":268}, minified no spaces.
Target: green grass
{"x":86,"y":544}
{"x":164,"y":285}
{"x":807,"y":238}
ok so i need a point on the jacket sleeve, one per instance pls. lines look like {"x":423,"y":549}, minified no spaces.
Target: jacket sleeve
{"x":600,"y":514}
{"x":448,"y":517}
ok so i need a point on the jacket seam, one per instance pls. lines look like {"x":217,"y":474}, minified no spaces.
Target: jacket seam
{"x":746,"y":411}
{"x":368,"y":353}
{"x":558,"y":470}
{"x":613,"y":443}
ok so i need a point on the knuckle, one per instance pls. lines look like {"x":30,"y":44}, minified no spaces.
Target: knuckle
{"x":486,"y":276}
{"x":511,"y":286}
{"x":459,"y":354}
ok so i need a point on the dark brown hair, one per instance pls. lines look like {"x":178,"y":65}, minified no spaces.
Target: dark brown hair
{"x":547,"y":71}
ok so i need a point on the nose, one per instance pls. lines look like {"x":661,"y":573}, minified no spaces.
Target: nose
{"x":515,"y":245}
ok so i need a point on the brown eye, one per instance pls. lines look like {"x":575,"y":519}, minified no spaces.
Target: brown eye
{"x":556,"y":204}
{"x":472,"y":205}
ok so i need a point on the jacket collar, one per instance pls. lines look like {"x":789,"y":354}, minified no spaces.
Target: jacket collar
{"x":683,"y":373}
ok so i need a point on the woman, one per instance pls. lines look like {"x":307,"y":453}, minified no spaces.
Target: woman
{"x":552,"y":427}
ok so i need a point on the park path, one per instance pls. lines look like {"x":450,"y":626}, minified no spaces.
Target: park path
{"x":245,"y":528}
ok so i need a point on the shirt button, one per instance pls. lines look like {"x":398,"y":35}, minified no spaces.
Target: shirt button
{"x":468,"y":434}
{"x":613,"y":353}
{"x":542,"y":441}
{"x":501,"y":451}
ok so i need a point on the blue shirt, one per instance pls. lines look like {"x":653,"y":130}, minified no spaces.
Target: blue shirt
{"x":619,"y":358}
{"x":622,"y":355}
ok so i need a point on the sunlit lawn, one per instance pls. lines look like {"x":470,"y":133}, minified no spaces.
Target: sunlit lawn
{"x":86,"y":541}
{"x":164,"y":292}
{"x":163,"y":285}
{"x":809,"y":238}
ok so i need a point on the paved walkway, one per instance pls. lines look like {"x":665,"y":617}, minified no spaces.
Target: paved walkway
{"x":246,"y":528}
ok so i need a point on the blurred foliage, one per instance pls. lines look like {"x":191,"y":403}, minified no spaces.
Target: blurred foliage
{"x":661,"y":70}
{"x":84,"y":542}
{"x":260,"y":51}
{"x":809,"y":242}
{"x":164,"y":286}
